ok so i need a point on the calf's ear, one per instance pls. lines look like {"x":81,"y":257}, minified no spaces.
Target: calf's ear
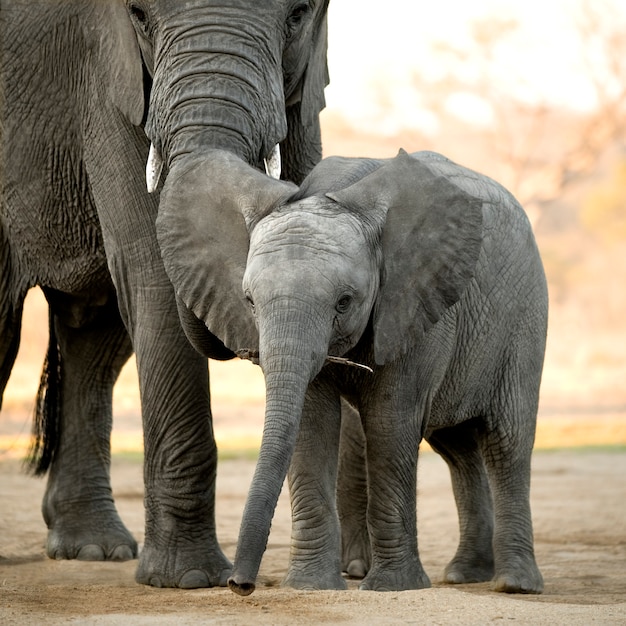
{"x":431,"y":241}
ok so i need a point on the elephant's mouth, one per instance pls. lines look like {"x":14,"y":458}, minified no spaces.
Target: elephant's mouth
{"x":253,"y":356}
{"x":154,"y":166}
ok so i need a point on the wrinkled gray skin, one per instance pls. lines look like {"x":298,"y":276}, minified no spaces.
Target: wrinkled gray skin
{"x":80,"y":80}
{"x":429,"y":274}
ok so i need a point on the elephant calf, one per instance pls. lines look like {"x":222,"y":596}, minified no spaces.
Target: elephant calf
{"x":427,"y":274}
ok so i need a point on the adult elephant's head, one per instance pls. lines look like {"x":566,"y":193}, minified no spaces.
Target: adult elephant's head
{"x":239,"y":75}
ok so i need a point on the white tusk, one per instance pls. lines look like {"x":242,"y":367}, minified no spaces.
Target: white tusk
{"x":341,"y":361}
{"x":154,"y":167}
{"x":272,"y":163}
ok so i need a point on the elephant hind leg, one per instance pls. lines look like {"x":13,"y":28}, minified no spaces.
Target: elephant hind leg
{"x":507,"y":459}
{"x":473,"y":561}
{"x":10,"y":330}
{"x":506,"y":444}
{"x":11,"y":308}
{"x":356,"y":553}
{"x":91,"y":345}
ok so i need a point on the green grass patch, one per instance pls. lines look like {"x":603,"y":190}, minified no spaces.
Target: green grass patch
{"x":609,"y":448}
{"x":247,"y":454}
{"x":135,"y":456}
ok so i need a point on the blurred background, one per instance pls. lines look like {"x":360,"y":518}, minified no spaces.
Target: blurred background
{"x":530,"y":93}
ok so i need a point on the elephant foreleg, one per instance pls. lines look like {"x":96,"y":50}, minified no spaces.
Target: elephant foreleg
{"x":392,"y":434}
{"x":78,"y":504}
{"x":315,"y":539}
{"x":181,"y":548}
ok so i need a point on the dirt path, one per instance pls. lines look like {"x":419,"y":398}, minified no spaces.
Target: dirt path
{"x":579,"y":508}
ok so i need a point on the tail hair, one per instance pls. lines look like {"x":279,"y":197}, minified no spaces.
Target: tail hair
{"x":47,"y":418}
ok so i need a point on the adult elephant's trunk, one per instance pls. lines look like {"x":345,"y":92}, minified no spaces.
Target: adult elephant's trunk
{"x":291,"y":355}
{"x":217,"y":84}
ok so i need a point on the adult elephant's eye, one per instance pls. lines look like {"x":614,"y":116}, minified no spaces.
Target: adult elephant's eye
{"x":343,"y":304}
{"x":297,"y":15}
{"x":139,"y":16}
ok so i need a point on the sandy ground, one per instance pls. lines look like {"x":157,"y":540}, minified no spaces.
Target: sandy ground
{"x":579,"y":509}
{"x":578,"y":498}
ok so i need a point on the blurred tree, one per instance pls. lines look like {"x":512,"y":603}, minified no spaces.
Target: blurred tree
{"x":603,"y":211}
{"x":535,"y":147}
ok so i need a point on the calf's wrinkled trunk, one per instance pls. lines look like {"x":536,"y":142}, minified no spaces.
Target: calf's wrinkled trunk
{"x":289,"y":365}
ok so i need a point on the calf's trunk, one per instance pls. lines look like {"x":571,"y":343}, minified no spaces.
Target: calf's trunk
{"x":289,"y":365}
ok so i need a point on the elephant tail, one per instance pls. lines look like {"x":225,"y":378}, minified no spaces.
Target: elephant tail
{"x":47,"y":418}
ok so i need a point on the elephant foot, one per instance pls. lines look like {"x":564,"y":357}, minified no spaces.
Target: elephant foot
{"x":95,"y":536}
{"x":520,"y":580}
{"x":396,"y":578}
{"x":356,"y":551}
{"x":188,"y":568}
{"x":461,"y":571}
{"x":313,"y":578}
{"x":356,"y":568}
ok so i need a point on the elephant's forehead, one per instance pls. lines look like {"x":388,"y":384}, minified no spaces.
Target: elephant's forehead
{"x":315,"y":230}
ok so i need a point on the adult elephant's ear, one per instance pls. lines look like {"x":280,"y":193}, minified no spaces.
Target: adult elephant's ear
{"x":431,"y":240}
{"x":316,"y":76}
{"x":118,"y":58}
{"x":304,"y":91}
{"x":207,"y":207}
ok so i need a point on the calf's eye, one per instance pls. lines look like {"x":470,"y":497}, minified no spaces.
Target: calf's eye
{"x":250,"y":302}
{"x":343,"y":304}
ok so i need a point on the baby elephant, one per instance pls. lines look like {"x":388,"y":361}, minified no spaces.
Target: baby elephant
{"x":425,"y":274}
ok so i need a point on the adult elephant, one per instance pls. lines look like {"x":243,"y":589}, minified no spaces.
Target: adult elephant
{"x":88,"y":86}
{"x":426,"y":273}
